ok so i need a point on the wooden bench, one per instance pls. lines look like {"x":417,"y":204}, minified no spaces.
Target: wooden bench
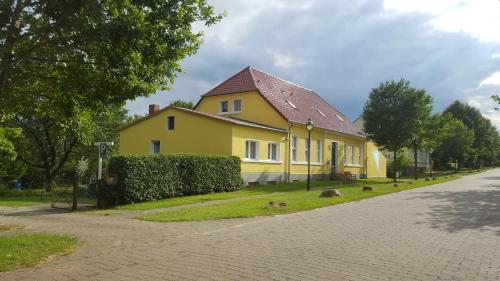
{"x":348,"y":176}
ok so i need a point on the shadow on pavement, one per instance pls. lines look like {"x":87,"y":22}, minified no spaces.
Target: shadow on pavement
{"x":491,"y":178}
{"x":464,"y":210}
{"x":45,"y":211}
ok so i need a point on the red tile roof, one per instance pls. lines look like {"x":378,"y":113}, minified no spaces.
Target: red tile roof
{"x":222,"y":118}
{"x":295,"y":103}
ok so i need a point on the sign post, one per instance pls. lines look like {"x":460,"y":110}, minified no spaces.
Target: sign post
{"x":103,"y":153}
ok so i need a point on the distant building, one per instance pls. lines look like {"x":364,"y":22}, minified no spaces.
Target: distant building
{"x":423,"y":155}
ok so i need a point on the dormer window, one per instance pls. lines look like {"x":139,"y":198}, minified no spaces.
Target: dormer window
{"x":291,"y":104}
{"x":320,"y":112}
{"x":224,"y":106}
{"x":340,"y":118}
{"x":237,"y":106}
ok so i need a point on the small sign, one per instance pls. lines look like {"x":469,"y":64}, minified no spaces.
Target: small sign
{"x":103,"y":150}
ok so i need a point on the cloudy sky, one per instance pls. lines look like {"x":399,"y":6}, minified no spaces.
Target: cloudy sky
{"x":342,"y":49}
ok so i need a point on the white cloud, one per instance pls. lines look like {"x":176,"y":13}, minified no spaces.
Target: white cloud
{"x":480,"y":18}
{"x":486,"y":106}
{"x":494,"y":79}
{"x":282,"y":60}
{"x":344,"y":48}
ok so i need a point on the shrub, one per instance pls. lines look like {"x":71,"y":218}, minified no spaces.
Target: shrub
{"x":150,"y":177}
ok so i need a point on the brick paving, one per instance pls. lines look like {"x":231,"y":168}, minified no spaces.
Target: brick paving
{"x":449,"y":231}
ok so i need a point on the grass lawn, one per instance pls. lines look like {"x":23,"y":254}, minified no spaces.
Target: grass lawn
{"x":26,"y":250}
{"x":245,"y":192}
{"x":294,"y":195}
{"x":32,"y":197}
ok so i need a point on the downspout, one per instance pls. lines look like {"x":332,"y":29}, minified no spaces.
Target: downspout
{"x":365,"y":156}
{"x":289,"y":160}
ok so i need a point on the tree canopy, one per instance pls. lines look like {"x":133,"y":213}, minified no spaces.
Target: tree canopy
{"x":181,"y":103}
{"x":67,"y":67}
{"x":85,"y":53}
{"x":484,"y":148}
{"x":395,"y":114}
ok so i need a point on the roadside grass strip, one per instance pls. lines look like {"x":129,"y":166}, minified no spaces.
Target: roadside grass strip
{"x":28,"y":250}
{"x":296,"y":199}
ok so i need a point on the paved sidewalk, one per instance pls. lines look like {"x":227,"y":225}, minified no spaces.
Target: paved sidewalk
{"x":449,"y":231}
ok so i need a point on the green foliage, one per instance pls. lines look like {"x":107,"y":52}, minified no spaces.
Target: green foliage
{"x":144,"y":178}
{"x":395,"y":116}
{"x":181,"y":103}
{"x":89,"y":53}
{"x":404,"y":161}
{"x":394,"y":113}
{"x":456,"y":142}
{"x":486,"y":141}
{"x":7,"y":150}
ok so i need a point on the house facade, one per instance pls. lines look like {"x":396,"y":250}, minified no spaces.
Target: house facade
{"x":261,"y":119}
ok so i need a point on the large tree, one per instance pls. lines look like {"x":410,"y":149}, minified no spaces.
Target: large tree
{"x":456,"y":141}
{"x":64,"y":61}
{"x":394,"y":115}
{"x":89,"y":52}
{"x":484,"y":148}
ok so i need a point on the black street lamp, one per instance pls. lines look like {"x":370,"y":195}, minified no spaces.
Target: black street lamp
{"x":309,"y":126}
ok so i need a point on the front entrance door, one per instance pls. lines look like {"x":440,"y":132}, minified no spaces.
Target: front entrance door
{"x":334,"y":162}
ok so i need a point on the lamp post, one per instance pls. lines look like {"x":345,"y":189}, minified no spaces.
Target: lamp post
{"x":309,"y":126}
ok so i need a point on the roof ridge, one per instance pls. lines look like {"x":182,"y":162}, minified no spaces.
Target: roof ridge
{"x":289,"y":82}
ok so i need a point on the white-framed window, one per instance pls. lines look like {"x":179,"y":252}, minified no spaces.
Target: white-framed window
{"x":319,"y":151}
{"x":273,"y":151}
{"x":345,"y":154}
{"x":224,"y":106}
{"x":306,"y":150}
{"x":252,"y":150}
{"x":360,"y":155}
{"x":353,"y":152}
{"x":295,"y":142}
{"x":154,"y":147}
{"x":237,"y":106}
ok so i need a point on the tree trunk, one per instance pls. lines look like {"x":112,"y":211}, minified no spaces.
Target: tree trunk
{"x":49,"y":180}
{"x":415,"y":159}
{"x":395,"y":166}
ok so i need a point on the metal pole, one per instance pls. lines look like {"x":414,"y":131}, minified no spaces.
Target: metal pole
{"x":99,"y":180}
{"x":309,"y":161}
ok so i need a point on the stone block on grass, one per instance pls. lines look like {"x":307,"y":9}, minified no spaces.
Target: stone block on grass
{"x":330,"y":193}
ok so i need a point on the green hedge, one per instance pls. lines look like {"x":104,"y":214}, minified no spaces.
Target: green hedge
{"x":150,"y":177}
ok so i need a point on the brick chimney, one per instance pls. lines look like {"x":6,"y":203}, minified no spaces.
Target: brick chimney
{"x":153,"y":108}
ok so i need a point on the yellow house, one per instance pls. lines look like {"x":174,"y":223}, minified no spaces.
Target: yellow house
{"x":261,"y":119}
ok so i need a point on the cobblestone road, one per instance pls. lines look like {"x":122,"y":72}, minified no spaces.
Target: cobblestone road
{"x":449,"y":231}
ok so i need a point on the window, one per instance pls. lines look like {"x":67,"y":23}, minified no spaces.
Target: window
{"x":340,"y":118}
{"x":237,"y":105}
{"x":353,"y":152}
{"x":319,"y":151}
{"x":155,"y":147}
{"x":273,"y":151}
{"x":171,"y":122}
{"x":360,"y":156}
{"x":251,"y":150}
{"x":306,"y":151}
{"x":295,"y":141}
{"x":291,"y":104}
{"x":320,"y":112}
{"x":345,"y":153}
{"x":224,"y":106}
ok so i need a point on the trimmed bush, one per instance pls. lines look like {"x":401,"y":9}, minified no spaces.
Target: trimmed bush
{"x":150,"y":177}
